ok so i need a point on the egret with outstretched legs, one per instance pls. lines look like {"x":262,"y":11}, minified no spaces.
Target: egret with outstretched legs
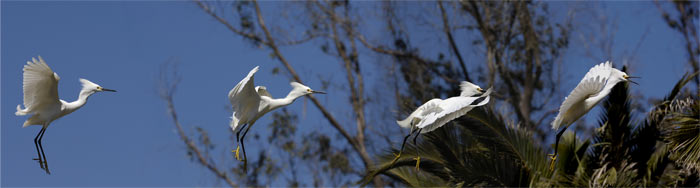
{"x":437,"y":112}
{"x":40,"y":87}
{"x":251,"y":102}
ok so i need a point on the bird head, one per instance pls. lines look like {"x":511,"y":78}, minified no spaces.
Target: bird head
{"x":624,"y":77}
{"x":91,"y":87}
{"x":301,"y":89}
{"x":469,"y":89}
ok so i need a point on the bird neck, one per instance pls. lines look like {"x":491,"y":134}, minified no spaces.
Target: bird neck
{"x":294,"y":94}
{"x":276,"y":103}
{"x":82,"y":99}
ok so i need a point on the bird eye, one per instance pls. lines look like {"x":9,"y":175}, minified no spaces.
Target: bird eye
{"x":309,"y":90}
{"x":98,"y":87}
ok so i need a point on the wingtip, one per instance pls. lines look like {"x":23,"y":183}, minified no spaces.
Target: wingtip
{"x":254,"y":70}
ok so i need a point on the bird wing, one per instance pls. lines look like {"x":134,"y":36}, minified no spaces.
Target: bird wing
{"x":40,"y":85}
{"x":452,"y":108}
{"x":590,"y":85}
{"x":262,"y":91}
{"x":243,"y":95}
{"x":418,"y":113}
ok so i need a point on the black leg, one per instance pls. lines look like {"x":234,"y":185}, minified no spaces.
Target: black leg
{"x":238,"y":134}
{"x":43,"y":155}
{"x":416,"y":145}
{"x":245,"y":157}
{"x":553,"y":156}
{"x":416,"y":137}
{"x":402,"y":145}
{"x":36,"y":144}
{"x":556,"y":143}
{"x":405,"y":139}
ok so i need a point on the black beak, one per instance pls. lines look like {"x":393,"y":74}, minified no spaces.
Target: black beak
{"x":633,"y":82}
{"x":319,"y":92}
{"x":105,"y":89}
{"x":628,"y":79}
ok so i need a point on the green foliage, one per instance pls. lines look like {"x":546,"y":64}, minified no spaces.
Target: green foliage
{"x":484,"y":150}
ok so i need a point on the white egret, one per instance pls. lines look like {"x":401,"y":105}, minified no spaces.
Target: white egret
{"x":40,"y":87}
{"x":594,"y":86}
{"x":252,"y":102}
{"x":437,"y":112}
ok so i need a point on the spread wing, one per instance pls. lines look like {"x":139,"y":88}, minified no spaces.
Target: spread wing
{"x":262,"y":91}
{"x":244,"y":95}
{"x":418,"y":113}
{"x":590,"y":85}
{"x":40,"y":85}
{"x":452,"y":108}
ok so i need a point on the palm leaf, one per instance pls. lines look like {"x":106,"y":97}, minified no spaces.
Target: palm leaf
{"x":570,"y":161}
{"x":615,"y":128}
{"x":682,"y":131}
{"x":474,"y":153}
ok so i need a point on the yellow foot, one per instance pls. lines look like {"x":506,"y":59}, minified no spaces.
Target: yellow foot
{"x":553,"y":158}
{"x":238,"y":148}
{"x":396,"y":158}
{"x":417,"y":163}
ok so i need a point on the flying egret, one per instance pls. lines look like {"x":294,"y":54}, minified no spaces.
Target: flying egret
{"x":252,"y":102}
{"x":40,"y":87}
{"x":437,"y":112}
{"x":594,"y":86}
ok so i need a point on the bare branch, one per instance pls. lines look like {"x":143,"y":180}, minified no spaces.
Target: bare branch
{"x":168,"y":84}
{"x":228,"y":25}
{"x":453,"y":45}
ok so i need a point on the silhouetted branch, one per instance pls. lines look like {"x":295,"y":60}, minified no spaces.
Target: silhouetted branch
{"x":167,"y":87}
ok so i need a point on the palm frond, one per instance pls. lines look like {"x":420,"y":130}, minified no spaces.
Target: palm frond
{"x":682,"y":131}
{"x":615,"y":128}
{"x":569,"y":161}
{"x":482,"y":151}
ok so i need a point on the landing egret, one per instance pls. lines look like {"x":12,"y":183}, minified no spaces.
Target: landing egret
{"x":252,"y":102}
{"x":594,"y":86}
{"x":437,"y":112}
{"x":40,"y":87}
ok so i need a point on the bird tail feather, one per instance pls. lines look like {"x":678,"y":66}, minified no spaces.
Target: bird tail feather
{"x":234,"y":123}
{"x":556,"y":123}
{"x":406,"y":123}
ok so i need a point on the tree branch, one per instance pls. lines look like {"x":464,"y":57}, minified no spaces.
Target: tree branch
{"x":448,"y":31}
{"x":167,"y":90}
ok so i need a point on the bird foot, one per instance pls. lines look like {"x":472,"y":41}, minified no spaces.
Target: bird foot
{"x":41,"y":162}
{"x":553,"y":158}
{"x":417,"y":163}
{"x":238,"y":148}
{"x":396,"y":158}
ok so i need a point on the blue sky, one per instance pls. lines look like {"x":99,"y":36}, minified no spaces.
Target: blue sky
{"x":127,"y":139}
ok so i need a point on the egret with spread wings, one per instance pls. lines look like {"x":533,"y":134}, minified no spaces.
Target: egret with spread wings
{"x":437,"y":112}
{"x":594,"y":86}
{"x":251,"y":102}
{"x":40,"y":86}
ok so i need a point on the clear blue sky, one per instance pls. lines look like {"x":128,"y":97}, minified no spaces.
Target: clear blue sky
{"x":127,"y":139}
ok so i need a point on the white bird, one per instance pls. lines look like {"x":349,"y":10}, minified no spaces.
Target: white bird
{"x":437,"y":112}
{"x":252,"y":102}
{"x":594,"y":86}
{"x":40,"y":87}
